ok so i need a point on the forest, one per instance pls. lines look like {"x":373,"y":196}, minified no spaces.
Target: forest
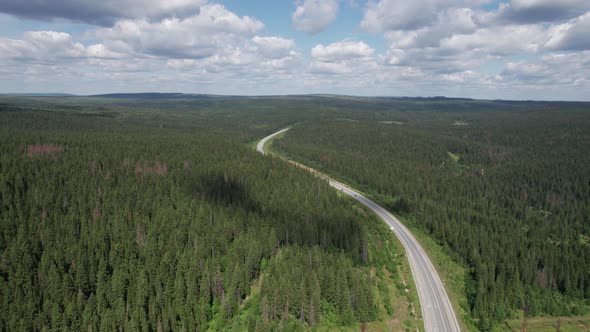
{"x":119,"y":217}
{"x":506,"y":192}
{"x":153,"y":212}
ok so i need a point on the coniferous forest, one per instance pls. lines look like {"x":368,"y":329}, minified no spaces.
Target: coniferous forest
{"x":506,"y":192}
{"x":154,"y":212}
{"x":116,"y":217}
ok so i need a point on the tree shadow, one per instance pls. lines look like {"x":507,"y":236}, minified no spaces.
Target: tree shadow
{"x":224,"y":190}
{"x":331,"y":232}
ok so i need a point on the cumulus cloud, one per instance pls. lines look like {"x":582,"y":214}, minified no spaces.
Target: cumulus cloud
{"x":213,"y":30}
{"x":569,"y":67}
{"x":560,"y":69}
{"x":449,"y":22}
{"x":461,"y":52}
{"x":440,"y":41}
{"x":313,"y":16}
{"x":399,"y":15}
{"x":214,"y":44}
{"x":573,"y":35}
{"x":341,"y":57}
{"x":436,"y":61}
{"x":274,"y":47}
{"x":44,"y":47}
{"x":319,"y":67}
{"x":342,"y":50}
{"x":464,"y":76}
{"x":101,"y":52}
{"x":432,"y":47}
{"x":536,"y":11}
{"x":454,"y":41}
{"x":514,"y":39}
{"x":524,"y":71}
{"x":103,"y":12}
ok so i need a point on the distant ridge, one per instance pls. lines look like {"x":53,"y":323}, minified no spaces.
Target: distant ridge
{"x":335,"y":97}
{"x":39,"y":94}
{"x":145,"y":95}
{"x":157,"y":95}
{"x":179,"y":95}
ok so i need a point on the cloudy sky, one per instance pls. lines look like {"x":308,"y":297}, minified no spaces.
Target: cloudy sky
{"x":512,"y":49}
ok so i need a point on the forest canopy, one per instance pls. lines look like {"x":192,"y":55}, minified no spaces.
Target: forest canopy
{"x":156,"y":213}
{"x":507,"y":192}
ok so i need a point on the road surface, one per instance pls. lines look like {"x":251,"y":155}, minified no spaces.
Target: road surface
{"x":260,"y":146}
{"x":437,"y":311}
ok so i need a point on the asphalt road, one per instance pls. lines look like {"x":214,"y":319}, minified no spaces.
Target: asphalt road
{"x":260,"y":146}
{"x":437,"y":311}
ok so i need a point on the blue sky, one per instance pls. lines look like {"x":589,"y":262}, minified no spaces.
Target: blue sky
{"x":276,"y":16}
{"x":513,"y":49}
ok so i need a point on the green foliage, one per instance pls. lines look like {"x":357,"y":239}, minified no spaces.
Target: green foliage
{"x":298,"y":279}
{"x":153,"y":214}
{"x":514,"y":212}
{"x":108,"y":223}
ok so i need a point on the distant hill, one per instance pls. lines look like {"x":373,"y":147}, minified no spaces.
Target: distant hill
{"x":415,"y":103}
{"x":148,"y":95}
{"x":39,"y":94}
{"x":157,"y":95}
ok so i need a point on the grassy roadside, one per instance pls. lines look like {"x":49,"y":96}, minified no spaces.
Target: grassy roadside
{"x":548,"y":324}
{"x":395,"y":291}
{"x":452,"y":273}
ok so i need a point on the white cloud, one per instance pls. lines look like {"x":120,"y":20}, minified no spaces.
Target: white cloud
{"x":449,"y":22}
{"x":434,"y":47}
{"x":559,"y":70}
{"x":573,"y":35}
{"x":504,"y":40}
{"x":451,"y":40}
{"x":535,"y":11}
{"x":434,"y":60}
{"x":41,"y":46}
{"x":274,"y":47}
{"x":319,"y":67}
{"x":398,"y":15}
{"x":313,"y":16}
{"x":464,"y":77}
{"x":460,"y":53}
{"x":570,"y":67}
{"x":342,"y":50}
{"x":343,"y":57}
{"x":201,"y":36}
{"x":215,"y":42}
{"x":102,"y":12}
{"x":525,"y":71}
{"x":100,"y":51}
{"x":215,"y":45}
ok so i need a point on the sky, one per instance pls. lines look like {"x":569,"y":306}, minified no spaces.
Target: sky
{"x":487,"y":49}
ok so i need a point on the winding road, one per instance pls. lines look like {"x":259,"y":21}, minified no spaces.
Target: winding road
{"x":260,"y":146}
{"x":437,"y":311}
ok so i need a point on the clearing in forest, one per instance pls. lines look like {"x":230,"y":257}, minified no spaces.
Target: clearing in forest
{"x":391,"y":122}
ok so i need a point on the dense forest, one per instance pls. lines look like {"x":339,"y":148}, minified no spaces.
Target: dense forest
{"x":118,"y":217}
{"x":154,"y":213}
{"x":508,"y":192}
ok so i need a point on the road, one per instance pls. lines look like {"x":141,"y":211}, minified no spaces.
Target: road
{"x":437,"y":311}
{"x":260,"y":146}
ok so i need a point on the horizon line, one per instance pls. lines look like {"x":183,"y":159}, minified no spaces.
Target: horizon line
{"x":327,"y":95}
